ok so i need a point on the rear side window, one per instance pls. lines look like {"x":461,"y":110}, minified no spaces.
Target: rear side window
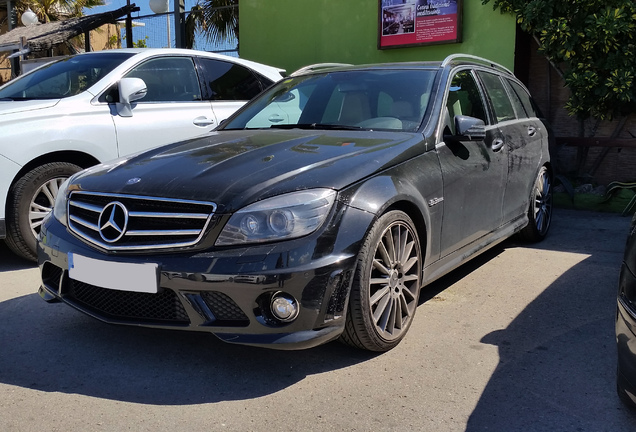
{"x":498,"y":96}
{"x":525,"y":99}
{"x":516,"y":103}
{"x":168,"y":79}
{"x":225,"y":81}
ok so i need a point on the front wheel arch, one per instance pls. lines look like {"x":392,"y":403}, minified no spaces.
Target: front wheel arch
{"x":51,"y":168}
{"x":83,"y":160}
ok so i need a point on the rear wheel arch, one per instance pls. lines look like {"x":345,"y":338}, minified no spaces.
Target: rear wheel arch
{"x":540,"y":205}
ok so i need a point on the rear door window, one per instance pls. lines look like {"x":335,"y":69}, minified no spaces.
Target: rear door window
{"x":225,"y":81}
{"x":498,"y":96}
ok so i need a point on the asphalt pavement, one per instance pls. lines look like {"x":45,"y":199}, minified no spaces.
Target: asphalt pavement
{"x":519,"y":339}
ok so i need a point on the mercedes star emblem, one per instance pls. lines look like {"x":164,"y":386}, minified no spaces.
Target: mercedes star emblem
{"x":113,"y":221}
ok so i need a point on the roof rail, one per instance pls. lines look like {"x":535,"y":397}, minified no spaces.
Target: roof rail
{"x":317,"y":66}
{"x":475,"y":59}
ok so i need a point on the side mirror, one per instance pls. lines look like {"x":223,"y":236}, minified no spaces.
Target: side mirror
{"x":285,"y":97}
{"x":130,"y":90}
{"x":468,"y":129}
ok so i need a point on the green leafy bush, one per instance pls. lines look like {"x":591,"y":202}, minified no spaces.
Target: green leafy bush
{"x":593,"y":40}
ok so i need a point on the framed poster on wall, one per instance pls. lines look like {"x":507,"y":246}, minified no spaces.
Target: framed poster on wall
{"x":404,"y":23}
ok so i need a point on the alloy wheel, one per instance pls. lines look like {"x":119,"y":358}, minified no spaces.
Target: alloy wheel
{"x":543,"y":202}
{"x":394,"y":281}
{"x":42,"y":203}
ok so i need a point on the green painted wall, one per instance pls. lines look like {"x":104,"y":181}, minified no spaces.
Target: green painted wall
{"x":294,"y":33}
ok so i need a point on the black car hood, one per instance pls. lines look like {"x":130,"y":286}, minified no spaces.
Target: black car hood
{"x":235,"y":168}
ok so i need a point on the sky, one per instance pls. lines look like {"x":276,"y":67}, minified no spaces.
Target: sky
{"x":154,"y":30}
{"x":143,"y":5}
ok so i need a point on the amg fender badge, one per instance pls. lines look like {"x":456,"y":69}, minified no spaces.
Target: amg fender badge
{"x":434,"y":201}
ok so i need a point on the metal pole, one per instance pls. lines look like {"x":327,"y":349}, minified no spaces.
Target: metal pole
{"x":179,"y":24}
{"x":168,"y":28}
{"x":11,"y":15}
{"x":12,"y":22}
{"x":129,"y":36}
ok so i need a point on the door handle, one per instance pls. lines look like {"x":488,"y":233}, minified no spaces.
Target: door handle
{"x":532,"y":131}
{"x":275,"y":118}
{"x":203,"y":121}
{"x":497,"y":144}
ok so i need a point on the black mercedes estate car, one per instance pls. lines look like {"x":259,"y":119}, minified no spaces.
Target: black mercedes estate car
{"x":317,"y":212}
{"x":626,"y":323}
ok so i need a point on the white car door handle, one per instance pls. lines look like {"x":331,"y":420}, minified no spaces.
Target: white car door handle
{"x":275,"y":118}
{"x":532,"y":130}
{"x":203,"y":121}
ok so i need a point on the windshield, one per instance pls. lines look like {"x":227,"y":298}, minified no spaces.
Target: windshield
{"x":63,"y":78}
{"x":363,"y":99}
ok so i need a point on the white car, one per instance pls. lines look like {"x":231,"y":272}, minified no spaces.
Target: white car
{"x":93,"y":107}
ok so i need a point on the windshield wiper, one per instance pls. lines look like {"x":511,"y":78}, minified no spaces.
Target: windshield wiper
{"x":6,"y":99}
{"x":320,"y":126}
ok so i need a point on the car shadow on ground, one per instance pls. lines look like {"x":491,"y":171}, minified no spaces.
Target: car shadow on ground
{"x":557,"y":358}
{"x":9,"y":261}
{"x":53,"y":348}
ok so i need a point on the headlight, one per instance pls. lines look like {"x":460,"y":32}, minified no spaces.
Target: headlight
{"x":59,"y":208}
{"x":279,"y":218}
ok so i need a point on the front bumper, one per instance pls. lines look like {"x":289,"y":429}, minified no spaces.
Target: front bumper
{"x":626,"y":334}
{"x":226,"y":293}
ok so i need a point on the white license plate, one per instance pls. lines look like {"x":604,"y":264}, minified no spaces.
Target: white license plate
{"x":138,"y":277}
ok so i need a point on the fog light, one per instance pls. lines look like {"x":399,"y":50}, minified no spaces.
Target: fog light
{"x":284,"y":307}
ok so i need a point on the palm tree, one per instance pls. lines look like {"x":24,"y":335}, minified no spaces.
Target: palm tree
{"x":217,"y":19}
{"x":56,"y":10}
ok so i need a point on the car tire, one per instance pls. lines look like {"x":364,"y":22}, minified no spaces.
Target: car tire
{"x":30,"y":199}
{"x":540,"y":208}
{"x":386,"y":285}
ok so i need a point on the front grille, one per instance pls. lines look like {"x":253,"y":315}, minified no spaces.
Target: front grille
{"x":163,"y":306}
{"x":224,"y":309}
{"x":129,"y":222}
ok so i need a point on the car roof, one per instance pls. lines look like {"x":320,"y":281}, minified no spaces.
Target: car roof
{"x":450,"y":61}
{"x":151,"y":52}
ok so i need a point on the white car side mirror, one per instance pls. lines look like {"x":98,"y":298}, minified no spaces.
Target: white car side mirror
{"x":130,"y":90}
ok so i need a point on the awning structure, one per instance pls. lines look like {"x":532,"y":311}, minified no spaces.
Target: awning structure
{"x":42,"y":37}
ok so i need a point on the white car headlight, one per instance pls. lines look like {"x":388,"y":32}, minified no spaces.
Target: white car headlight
{"x":282,"y":217}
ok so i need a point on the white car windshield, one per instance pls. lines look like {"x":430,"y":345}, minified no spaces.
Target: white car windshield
{"x":63,"y":78}
{"x":378,"y":99}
